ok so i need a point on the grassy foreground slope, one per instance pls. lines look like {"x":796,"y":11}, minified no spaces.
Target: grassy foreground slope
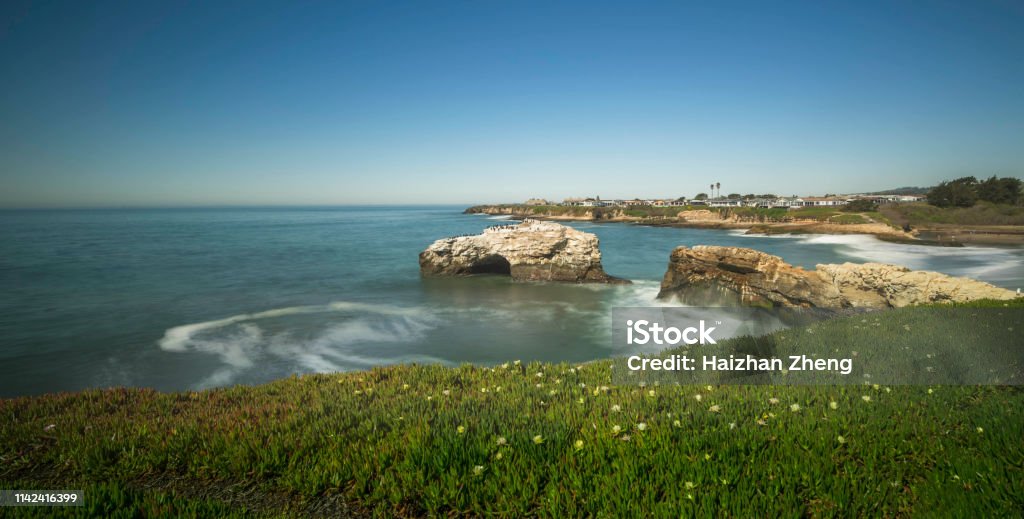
{"x":517,"y":440}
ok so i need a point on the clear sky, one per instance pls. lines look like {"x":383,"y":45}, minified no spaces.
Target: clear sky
{"x":194,"y":103}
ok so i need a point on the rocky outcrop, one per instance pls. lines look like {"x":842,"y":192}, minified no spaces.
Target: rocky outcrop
{"x":712,"y":275}
{"x":529,"y":251}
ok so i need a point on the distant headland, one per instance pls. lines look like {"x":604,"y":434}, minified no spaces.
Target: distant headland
{"x":954,"y":213}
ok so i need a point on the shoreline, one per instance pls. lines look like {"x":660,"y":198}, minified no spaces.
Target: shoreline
{"x":935,"y":236}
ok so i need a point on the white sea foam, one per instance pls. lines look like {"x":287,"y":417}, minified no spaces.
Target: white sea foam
{"x":242,"y":345}
{"x":177,"y":338}
{"x":995,"y":265}
{"x":500,"y":217}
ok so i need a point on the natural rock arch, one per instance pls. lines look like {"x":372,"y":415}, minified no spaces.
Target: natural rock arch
{"x":529,"y":251}
{"x":493,"y":264}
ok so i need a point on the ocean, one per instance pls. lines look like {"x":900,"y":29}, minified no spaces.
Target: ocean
{"x":178,"y":299}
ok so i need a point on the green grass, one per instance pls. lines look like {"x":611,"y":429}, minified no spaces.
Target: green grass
{"x":848,"y":219}
{"x":117,"y":501}
{"x":982,"y":213}
{"x":879,"y":217}
{"x":815,"y":213}
{"x":431,"y":440}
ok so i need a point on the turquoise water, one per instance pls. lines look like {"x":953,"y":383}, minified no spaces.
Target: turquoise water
{"x":194,"y":298}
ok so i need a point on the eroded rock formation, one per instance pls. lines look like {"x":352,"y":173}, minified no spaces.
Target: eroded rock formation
{"x":529,"y":251}
{"x":709,"y":275}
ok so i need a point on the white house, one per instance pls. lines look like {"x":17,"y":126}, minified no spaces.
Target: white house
{"x":823,"y":201}
{"x":726,"y":202}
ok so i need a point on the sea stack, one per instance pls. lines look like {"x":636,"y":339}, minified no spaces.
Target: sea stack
{"x":529,"y":251}
{"x":708,"y":275}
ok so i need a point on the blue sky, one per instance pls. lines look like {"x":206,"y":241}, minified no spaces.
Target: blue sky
{"x":196,"y":103}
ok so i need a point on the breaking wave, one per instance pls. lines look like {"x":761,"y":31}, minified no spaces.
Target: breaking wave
{"x":244,"y":347}
{"x":1000,"y":266}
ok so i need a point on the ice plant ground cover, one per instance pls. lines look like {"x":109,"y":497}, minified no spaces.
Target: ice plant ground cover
{"x":542,"y":440}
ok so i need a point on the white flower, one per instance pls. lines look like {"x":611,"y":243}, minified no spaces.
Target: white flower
{"x":446,"y":392}
{"x":578,"y":445}
{"x":732,"y":425}
{"x":773,"y":400}
{"x":501,"y":441}
{"x":698,"y":397}
{"x":518,"y":362}
{"x":866,"y":398}
{"x":689,"y":485}
{"x":641,"y":426}
{"x":616,"y":429}
{"x":460,"y":430}
{"x":477,"y":470}
{"x":504,"y":366}
{"x":650,"y":393}
{"x":616,"y":408}
{"x":538,"y":439}
{"x":540,"y":374}
{"x":930,"y":391}
{"x":715,"y":408}
{"x":795,"y":408}
{"x":405,"y":386}
{"x":833,"y":405}
{"x":498,"y":456}
{"x":841,"y":440}
{"x":677,"y":423}
{"x":980,"y":430}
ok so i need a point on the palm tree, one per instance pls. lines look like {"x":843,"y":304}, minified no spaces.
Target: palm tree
{"x":712,"y":186}
{"x":718,"y":185}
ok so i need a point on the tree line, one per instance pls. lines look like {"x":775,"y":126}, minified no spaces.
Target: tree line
{"x":967,"y":191}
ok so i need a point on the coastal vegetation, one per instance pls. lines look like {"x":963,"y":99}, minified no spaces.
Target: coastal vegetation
{"x":980,"y":213}
{"x":967,"y":191}
{"x":644,"y":213}
{"x":535,"y":439}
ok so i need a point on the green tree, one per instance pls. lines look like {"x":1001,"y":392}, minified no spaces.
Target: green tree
{"x":701,"y":196}
{"x":954,"y":193}
{"x":1006,"y":190}
{"x":734,"y":196}
{"x":860,"y":205}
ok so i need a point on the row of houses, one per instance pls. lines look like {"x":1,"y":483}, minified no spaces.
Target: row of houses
{"x":776,"y":202}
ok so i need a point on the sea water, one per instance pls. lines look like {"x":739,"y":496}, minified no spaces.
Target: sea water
{"x":196,"y":298}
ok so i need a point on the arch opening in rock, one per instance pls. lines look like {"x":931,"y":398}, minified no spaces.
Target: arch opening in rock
{"x":493,"y":264}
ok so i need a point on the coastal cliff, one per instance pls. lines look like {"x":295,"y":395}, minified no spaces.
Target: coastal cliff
{"x":753,"y":220}
{"x":529,"y":251}
{"x":708,"y":275}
